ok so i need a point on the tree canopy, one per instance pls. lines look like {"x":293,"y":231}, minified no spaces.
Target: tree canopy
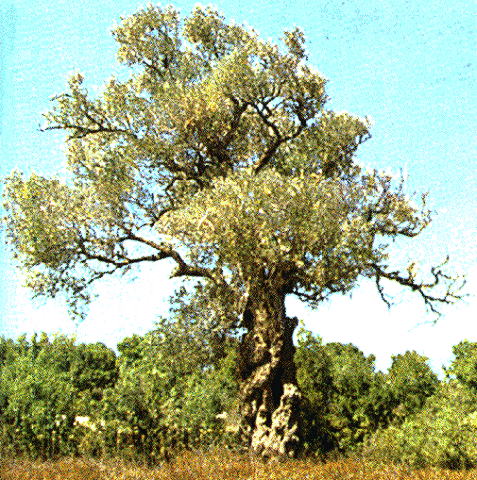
{"x":218,"y":153}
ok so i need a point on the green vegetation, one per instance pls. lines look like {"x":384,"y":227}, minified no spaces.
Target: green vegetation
{"x":216,"y":152}
{"x":151,"y":404}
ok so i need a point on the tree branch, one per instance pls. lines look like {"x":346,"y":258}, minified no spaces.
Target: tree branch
{"x":279,"y":138}
{"x":450,"y":296}
{"x":81,"y":132}
{"x":163,"y":251}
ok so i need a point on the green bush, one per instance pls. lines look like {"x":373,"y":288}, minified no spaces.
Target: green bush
{"x":443,"y":434}
{"x":38,"y":414}
{"x":164,"y":401}
{"x":410,"y":382}
{"x":464,"y":365}
{"x":316,"y":384}
{"x":337,"y":382}
{"x":44,"y":385}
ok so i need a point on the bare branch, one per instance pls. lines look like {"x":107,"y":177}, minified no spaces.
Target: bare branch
{"x":452,"y":285}
{"x":279,"y":138}
{"x":267,"y":156}
{"x":239,"y":110}
{"x":81,"y":132}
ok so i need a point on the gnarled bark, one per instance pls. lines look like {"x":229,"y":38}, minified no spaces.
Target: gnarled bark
{"x":269,"y":395}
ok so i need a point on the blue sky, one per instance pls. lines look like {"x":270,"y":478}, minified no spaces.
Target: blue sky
{"x":410,"y":65}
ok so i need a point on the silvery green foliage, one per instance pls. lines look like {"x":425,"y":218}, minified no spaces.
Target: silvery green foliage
{"x":218,"y":153}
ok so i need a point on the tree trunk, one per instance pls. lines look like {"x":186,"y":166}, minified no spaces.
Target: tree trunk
{"x":269,"y":395}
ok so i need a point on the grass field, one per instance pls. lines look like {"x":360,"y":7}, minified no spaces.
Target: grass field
{"x":218,"y":465}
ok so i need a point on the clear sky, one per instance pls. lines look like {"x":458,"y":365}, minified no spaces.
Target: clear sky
{"x":410,"y":65}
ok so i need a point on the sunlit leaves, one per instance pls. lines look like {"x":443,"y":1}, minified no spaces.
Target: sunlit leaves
{"x":41,"y":222}
{"x":207,"y":30}
{"x":149,"y":37}
{"x":441,"y":435}
{"x":464,"y":365}
{"x":49,"y":224}
{"x":217,"y":148}
{"x":252,"y":221}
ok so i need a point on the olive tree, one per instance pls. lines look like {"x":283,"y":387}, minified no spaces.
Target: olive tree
{"x":217,"y":153}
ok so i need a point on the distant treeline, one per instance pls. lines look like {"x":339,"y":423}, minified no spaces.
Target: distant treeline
{"x":175,"y":388}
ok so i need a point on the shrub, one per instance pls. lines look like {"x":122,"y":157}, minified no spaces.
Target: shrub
{"x":443,"y":434}
{"x":38,"y":416}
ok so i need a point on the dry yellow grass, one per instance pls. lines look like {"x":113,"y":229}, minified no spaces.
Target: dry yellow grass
{"x":218,"y":465}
